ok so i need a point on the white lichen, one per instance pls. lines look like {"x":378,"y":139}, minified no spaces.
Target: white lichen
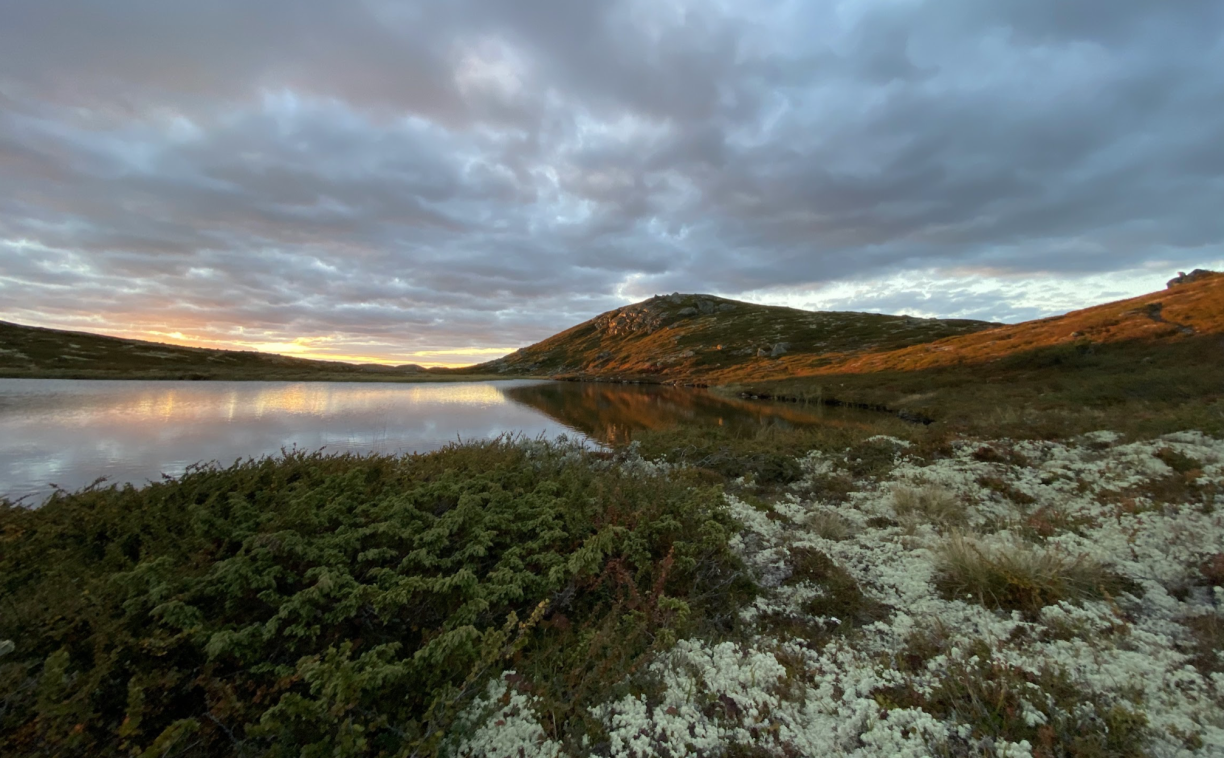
{"x":825,"y":693}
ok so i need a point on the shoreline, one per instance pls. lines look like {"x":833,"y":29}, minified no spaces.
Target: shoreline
{"x":337,"y":378}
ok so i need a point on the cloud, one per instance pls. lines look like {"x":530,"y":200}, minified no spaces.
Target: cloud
{"x":393,"y":178}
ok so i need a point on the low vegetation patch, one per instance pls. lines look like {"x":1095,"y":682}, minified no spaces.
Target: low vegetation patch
{"x":316,"y":605}
{"x":930,"y":503}
{"x":1004,"y":705}
{"x":1019,"y":577}
{"x":840,"y":596}
{"x":828,"y":525}
{"x":896,"y":593}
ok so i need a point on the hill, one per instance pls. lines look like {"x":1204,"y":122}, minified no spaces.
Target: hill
{"x":695,"y":338}
{"x":35,"y":352}
{"x":1139,"y":358}
{"x":1112,"y":365}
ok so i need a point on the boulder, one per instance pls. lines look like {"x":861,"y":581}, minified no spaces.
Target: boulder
{"x":689,"y":311}
{"x":705,"y":306}
{"x":779,"y":348}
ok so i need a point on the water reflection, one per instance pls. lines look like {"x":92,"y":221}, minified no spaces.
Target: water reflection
{"x":71,"y":432}
{"x":610,"y":413}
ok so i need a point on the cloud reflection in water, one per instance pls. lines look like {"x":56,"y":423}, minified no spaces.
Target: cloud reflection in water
{"x":71,"y":432}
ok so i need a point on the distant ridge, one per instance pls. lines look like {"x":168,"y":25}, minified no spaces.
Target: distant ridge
{"x":37,"y":352}
{"x":1191,"y":306}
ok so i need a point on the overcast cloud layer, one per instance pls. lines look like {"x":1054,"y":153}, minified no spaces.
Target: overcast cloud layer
{"x":421,"y":181}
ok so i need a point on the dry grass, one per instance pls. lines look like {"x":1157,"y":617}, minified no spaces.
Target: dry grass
{"x":1019,"y":577}
{"x":828,"y":525}
{"x":930,"y":504}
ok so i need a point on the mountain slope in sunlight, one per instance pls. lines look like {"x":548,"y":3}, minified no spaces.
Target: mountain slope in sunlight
{"x":1177,"y":313}
{"x":705,"y":339}
{"x":678,"y":338}
{"x":1109,"y":366}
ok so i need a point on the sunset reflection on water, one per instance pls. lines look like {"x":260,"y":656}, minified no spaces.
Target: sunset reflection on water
{"x":69,"y":433}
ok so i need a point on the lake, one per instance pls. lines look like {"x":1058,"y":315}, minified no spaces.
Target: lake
{"x":69,"y":433}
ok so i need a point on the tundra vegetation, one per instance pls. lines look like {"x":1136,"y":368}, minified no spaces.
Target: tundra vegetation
{"x":1039,"y":572}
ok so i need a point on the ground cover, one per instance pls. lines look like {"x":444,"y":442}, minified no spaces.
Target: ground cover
{"x":894,"y":589}
{"x":1066,"y":609}
{"x":314,"y":605}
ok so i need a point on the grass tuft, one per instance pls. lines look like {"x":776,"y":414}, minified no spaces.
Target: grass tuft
{"x":1019,"y":577}
{"x":828,"y":525}
{"x":929,"y":503}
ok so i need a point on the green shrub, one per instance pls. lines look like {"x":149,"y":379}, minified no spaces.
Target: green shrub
{"x":344,"y":605}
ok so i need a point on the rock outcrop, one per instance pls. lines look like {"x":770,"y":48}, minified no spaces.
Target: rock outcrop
{"x":1194,"y":276}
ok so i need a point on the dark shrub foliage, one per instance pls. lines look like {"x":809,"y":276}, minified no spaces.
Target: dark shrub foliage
{"x":341,"y":605}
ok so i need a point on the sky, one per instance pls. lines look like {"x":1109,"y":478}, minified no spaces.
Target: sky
{"x":443,"y":182}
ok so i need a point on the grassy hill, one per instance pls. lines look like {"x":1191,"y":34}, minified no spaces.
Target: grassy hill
{"x":1136,"y":358}
{"x":34,"y":352}
{"x":697,"y":338}
{"x":1157,"y":357}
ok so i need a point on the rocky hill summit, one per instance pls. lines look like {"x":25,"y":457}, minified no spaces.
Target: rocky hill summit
{"x":659,"y":311}
{"x":684,"y":338}
{"x":1196,"y":275}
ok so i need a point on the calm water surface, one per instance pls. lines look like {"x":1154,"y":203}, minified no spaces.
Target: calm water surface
{"x":69,"y":433}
